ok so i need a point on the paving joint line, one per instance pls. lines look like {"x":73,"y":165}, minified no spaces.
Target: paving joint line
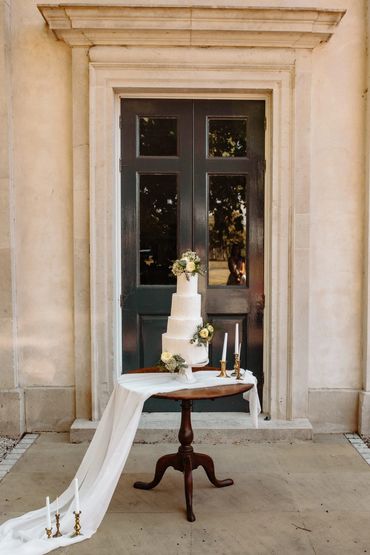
{"x":16,"y":454}
{"x":360,"y":446}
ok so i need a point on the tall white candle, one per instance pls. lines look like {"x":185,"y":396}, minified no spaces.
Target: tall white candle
{"x":236,"y":351}
{"x":48,"y":515}
{"x":77,"y":497}
{"x":57,"y":511}
{"x":224,"y":348}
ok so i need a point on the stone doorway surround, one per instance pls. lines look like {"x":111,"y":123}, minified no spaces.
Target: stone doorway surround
{"x":186,"y":50}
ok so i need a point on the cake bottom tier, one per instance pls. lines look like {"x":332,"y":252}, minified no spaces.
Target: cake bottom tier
{"x":192,"y":354}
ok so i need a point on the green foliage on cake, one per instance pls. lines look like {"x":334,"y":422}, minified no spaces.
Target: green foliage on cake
{"x":188,"y":264}
{"x":171,"y":363}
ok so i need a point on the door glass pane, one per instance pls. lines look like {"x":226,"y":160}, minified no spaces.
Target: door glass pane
{"x":227,"y":230}
{"x":157,"y":136}
{"x":227,"y":138}
{"x":158,"y":227}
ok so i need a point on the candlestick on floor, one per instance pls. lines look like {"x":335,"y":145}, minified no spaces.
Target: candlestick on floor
{"x":57,"y":524}
{"x":77,"y":526}
{"x":48,"y":532}
{"x":48,"y":515}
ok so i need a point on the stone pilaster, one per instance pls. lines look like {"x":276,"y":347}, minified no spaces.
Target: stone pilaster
{"x":298,"y":383}
{"x":364,"y":400}
{"x":81,"y":239}
{"x":11,"y":397}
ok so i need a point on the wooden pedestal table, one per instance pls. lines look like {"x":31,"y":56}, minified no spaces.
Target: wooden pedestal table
{"x":186,"y":459}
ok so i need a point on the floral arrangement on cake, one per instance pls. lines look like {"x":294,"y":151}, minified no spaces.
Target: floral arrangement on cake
{"x":203,"y":335}
{"x":171,"y":363}
{"x":188,"y":264}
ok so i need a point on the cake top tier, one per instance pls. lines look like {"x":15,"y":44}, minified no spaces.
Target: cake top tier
{"x":187,"y":285}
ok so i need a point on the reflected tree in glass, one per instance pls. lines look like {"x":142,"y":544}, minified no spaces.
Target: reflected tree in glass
{"x":227,"y":138}
{"x":157,"y":136}
{"x":227,"y":225}
{"x":158,"y":228}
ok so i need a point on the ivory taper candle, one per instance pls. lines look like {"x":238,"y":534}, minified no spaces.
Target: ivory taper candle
{"x":224,"y":348}
{"x":77,"y":497}
{"x":48,"y":515}
{"x":236,"y":339}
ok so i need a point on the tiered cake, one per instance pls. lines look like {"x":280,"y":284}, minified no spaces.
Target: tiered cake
{"x":183,"y":322}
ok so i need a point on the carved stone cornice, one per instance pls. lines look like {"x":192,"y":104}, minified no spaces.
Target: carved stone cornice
{"x":184,"y":24}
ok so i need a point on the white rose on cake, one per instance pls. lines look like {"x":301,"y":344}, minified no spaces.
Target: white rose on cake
{"x":166,"y":356}
{"x":177,"y":269}
{"x":203,"y":334}
{"x":190,"y":266}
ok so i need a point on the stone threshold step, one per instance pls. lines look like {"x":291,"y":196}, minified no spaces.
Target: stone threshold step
{"x":208,"y":427}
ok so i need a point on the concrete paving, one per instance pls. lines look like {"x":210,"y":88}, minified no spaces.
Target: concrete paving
{"x":288,"y":498}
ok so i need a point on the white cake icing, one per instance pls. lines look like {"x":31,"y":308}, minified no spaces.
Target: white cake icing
{"x":183,"y":322}
{"x":185,"y":306}
{"x":187,"y":287}
{"x":181,"y":327}
{"x":192,"y":354}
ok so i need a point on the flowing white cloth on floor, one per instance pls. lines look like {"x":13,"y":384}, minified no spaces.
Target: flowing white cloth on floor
{"x":104,"y":461}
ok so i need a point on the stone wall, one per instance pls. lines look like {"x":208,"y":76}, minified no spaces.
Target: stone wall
{"x":336,"y":226}
{"x":37,"y":348}
{"x":37,"y":343}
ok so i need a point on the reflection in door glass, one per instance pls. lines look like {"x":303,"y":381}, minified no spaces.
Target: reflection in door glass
{"x":157,"y":136}
{"x":158,"y":228}
{"x":227,"y":230}
{"x":227,"y":138}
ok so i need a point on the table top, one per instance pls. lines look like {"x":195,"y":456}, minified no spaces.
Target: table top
{"x":212,"y":392}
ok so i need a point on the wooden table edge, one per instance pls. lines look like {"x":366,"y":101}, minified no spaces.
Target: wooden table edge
{"x":201,"y":393}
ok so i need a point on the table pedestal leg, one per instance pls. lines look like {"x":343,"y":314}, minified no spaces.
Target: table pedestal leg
{"x":185,"y":460}
{"x":199,"y":459}
{"x":162,"y":464}
{"x":188,"y":483}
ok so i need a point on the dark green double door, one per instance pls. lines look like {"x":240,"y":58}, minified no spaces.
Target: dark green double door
{"x":193,"y":177}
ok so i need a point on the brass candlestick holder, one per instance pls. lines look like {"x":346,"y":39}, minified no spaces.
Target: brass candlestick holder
{"x":77,"y":526}
{"x":57,"y":524}
{"x":48,"y":533}
{"x":223,"y":373}
{"x":237,"y":367}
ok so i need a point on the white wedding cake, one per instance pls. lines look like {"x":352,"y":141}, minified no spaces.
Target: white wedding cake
{"x":183,"y":322}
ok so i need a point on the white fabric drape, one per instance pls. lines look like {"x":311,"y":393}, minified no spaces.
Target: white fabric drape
{"x":103,"y":463}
